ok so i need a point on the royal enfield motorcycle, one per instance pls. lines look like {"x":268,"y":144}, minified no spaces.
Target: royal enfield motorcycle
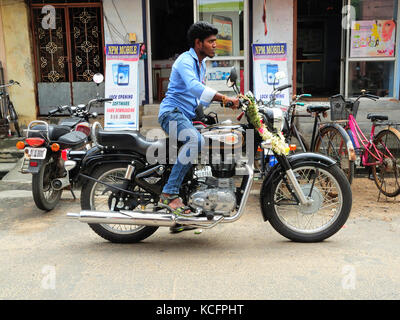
{"x":44,"y":151}
{"x":305,"y":196}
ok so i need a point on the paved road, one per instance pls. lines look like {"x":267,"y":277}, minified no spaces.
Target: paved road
{"x":47,"y":256}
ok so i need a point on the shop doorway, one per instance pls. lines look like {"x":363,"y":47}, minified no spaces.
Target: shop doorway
{"x":68,"y":53}
{"x":169,"y":22}
{"x":319,"y":47}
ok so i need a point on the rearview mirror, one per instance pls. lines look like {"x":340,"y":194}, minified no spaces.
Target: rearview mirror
{"x":280,"y":75}
{"x":232,"y":78}
{"x":98,"y":78}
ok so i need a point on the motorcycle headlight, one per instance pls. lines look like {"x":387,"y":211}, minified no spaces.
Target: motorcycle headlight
{"x":273,"y":119}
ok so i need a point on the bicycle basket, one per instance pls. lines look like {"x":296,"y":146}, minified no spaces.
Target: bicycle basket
{"x":341,"y":108}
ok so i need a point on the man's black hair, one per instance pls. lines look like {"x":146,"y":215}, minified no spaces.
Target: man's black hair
{"x":200,"y":30}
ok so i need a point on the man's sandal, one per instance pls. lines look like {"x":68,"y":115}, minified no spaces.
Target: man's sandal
{"x":180,"y":211}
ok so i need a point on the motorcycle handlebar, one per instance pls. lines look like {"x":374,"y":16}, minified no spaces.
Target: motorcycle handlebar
{"x":370,"y":96}
{"x":104,"y":100}
{"x":285,"y":86}
{"x":59,"y":109}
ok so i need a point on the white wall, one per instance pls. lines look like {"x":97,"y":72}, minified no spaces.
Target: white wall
{"x":279,"y":23}
{"x":125,"y":17}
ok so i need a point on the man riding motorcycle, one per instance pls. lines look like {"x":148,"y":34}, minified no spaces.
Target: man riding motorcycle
{"x":186,"y":90}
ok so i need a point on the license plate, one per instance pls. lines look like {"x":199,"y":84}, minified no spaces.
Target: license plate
{"x":35,"y":153}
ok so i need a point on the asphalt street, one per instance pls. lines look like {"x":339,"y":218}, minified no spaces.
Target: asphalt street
{"x":44,"y":255}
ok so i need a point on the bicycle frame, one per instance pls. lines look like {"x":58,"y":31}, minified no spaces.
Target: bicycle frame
{"x":359,"y":137}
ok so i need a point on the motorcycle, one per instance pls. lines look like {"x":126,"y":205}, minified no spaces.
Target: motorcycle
{"x":305,"y":196}
{"x":45,"y":147}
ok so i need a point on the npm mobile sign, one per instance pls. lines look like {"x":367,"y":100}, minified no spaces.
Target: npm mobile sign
{"x":268,"y":59}
{"x":270,"y":49}
{"x":123,"y":50}
{"x":122,"y":85}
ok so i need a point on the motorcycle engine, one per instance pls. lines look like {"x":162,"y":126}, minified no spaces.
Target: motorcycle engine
{"x":216,"y":195}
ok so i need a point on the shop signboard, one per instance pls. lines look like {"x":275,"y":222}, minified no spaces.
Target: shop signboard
{"x":220,"y":5}
{"x":268,"y":59}
{"x":122,"y":85}
{"x":373,"y":38}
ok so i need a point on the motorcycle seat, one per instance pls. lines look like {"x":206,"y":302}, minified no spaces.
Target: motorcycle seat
{"x":375,"y":116}
{"x":70,"y":122}
{"x":55,"y":131}
{"x":73,"y":139}
{"x":130,"y":141}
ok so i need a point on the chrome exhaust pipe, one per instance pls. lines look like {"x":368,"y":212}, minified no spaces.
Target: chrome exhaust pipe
{"x":160,"y":218}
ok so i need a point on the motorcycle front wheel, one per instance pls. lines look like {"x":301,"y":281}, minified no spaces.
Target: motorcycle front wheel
{"x":97,"y":196}
{"x":331,"y":196}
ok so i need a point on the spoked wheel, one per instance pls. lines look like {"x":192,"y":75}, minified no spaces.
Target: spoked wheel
{"x":14,"y":118}
{"x":332,"y":143}
{"x":44,"y":195}
{"x":387,"y":173}
{"x":99,"y":197}
{"x":331,"y":197}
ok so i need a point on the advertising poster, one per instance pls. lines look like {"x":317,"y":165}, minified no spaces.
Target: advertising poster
{"x":373,"y":38}
{"x":224,"y":36}
{"x":122,"y":85}
{"x":268,"y":59}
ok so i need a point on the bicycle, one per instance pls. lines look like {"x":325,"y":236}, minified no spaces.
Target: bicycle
{"x":381,"y":152}
{"x":7,"y":110}
{"x":323,"y":135}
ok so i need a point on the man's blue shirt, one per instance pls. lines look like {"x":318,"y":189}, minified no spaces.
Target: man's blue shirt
{"x":186,"y":88}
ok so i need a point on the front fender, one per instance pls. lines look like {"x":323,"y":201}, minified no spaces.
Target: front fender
{"x":294,"y":160}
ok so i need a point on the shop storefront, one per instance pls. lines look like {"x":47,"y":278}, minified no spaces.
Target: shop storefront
{"x":168,"y":22}
{"x":346,"y":46}
{"x":331,"y":46}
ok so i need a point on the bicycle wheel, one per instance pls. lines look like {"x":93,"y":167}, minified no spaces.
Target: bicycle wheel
{"x":14,"y":118}
{"x":386,"y":174}
{"x":333,"y":143}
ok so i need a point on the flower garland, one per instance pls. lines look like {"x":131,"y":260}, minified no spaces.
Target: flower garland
{"x":278,"y":143}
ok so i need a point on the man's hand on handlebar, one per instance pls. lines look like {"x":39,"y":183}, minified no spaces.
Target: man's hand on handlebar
{"x":230,"y":102}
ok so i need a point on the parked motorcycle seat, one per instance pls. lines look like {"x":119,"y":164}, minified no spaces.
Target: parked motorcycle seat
{"x":70,"y":122}
{"x":55,"y":131}
{"x":130,"y":141}
{"x":73,"y":139}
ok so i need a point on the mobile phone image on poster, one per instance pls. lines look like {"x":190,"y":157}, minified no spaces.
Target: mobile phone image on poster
{"x":224,"y":36}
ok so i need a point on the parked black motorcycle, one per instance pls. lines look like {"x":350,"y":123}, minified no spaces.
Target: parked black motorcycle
{"x":305,"y":197}
{"x":44,"y":151}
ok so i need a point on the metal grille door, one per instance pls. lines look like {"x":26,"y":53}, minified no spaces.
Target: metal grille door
{"x":67,"y":55}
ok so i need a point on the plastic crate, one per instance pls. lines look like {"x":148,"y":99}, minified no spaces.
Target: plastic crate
{"x":341,"y":108}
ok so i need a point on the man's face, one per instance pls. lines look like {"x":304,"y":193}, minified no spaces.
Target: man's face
{"x":208,"y":46}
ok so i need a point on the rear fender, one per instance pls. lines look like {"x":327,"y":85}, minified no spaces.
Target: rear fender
{"x":275,"y":173}
{"x":96,"y":158}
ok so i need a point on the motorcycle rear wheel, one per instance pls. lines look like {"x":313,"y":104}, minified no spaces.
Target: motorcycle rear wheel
{"x":332,"y":200}
{"x":45,"y":197}
{"x":94,"y":197}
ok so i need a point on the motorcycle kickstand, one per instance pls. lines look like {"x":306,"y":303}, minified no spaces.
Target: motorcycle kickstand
{"x":73,"y":194}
